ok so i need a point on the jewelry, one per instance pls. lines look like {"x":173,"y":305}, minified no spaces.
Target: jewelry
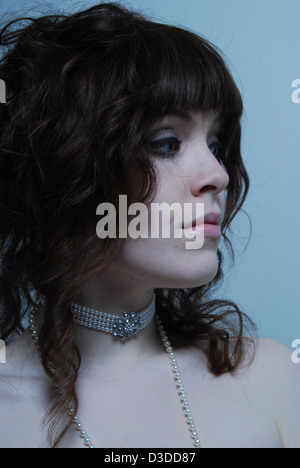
{"x":177,"y":376}
{"x":122,"y":327}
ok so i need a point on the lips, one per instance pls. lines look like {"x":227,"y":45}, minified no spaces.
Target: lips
{"x":209,"y":218}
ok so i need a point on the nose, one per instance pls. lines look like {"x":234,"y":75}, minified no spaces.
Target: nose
{"x":209,"y":176}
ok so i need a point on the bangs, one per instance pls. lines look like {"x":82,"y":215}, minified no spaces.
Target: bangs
{"x":182,"y":71}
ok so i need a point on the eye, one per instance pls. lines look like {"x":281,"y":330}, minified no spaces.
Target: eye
{"x":219,"y":150}
{"x":165,"y":147}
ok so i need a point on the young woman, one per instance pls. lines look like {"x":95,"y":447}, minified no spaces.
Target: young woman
{"x":105,"y":103}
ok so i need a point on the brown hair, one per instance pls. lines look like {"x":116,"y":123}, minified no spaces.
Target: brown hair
{"x":82,"y":91}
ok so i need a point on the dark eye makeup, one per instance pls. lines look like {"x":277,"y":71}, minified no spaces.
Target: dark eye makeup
{"x":219,"y":150}
{"x":170,"y":146}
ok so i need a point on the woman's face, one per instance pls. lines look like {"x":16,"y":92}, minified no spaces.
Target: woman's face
{"x":185,"y":149}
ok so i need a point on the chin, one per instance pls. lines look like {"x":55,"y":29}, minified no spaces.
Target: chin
{"x":192,"y":274}
{"x":199,"y":280}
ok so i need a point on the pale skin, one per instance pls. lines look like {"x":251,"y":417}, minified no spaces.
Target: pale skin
{"x":126,"y":391}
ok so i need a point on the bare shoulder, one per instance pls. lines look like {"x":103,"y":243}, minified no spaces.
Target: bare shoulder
{"x":22,"y":390}
{"x":276,"y":379}
{"x":273,"y":363}
{"x":21,"y":376}
{"x":16,"y":369}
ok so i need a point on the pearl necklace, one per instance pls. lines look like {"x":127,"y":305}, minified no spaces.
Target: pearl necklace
{"x":121,"y":327}
{"x":177,"y":377}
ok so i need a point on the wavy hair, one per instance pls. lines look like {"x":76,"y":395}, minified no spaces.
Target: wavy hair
{"x":82,"y":92}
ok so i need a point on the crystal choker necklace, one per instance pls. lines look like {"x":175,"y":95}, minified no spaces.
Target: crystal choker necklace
{"x":121,"y":327}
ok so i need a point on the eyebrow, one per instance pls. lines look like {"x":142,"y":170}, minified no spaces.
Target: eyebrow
{"x":186,"y":116}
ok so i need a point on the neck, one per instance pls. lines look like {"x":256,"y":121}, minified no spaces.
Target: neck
{"x":115,"y":295}
{"x":102,"y":351}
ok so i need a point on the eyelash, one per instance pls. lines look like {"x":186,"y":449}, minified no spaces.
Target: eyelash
{"x":156,"y":144}
{"x":221,"y":151}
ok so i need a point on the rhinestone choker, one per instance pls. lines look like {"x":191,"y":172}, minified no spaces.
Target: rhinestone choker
{"x":121,"y":327}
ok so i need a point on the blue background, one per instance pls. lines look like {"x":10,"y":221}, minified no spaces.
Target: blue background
{"x":261,"y":40}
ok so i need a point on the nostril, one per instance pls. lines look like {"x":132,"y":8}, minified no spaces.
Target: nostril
{"x":208,"y":188}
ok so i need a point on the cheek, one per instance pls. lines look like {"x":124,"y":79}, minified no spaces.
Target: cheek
{"x":165,"y":263}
